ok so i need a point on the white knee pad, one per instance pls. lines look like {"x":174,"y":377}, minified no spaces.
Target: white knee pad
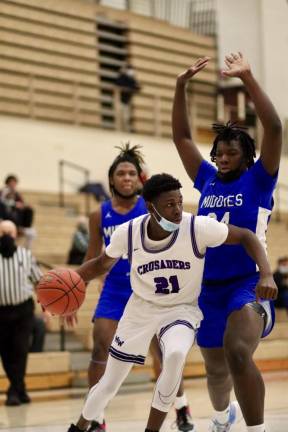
{"x":175,"y":345}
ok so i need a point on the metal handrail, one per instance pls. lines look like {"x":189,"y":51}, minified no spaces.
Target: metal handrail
{"x":62,"y":163}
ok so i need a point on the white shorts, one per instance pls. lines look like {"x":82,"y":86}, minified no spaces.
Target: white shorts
{"x":141,"y":320}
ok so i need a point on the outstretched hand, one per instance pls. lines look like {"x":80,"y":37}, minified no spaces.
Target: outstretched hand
{"x":200,"y":64}
{"x":69,"y":320}
{"x":236,"y":65}
{"x":266,"y":289}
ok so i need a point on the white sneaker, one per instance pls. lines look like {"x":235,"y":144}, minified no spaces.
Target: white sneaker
{"x":235,"y":416}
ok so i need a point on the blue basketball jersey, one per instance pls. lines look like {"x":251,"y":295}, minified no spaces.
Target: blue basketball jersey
{"x":110,"y":220}
{"x":245,"y":202}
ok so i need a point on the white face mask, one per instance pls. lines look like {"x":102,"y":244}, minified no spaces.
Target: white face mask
{"x":165,"y":224}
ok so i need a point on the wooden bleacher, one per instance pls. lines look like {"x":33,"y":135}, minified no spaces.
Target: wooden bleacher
{"x":45,"y":371}
{"x":59,"y":61}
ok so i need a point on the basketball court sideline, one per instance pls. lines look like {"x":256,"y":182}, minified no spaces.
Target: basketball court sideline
{"x":129,"y":410}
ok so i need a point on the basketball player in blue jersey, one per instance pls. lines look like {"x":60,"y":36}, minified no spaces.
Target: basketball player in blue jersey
{"x":125,"y":204}
{"x":124,"y":176}
{"x":166,"y":250}
{"x":236,"y":191}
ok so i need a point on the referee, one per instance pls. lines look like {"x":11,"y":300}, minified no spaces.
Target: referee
{"x":18,"y":273}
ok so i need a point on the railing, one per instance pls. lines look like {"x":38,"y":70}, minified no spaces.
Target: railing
{"x":74,"y":166}
{"x":203,"y":17}
{"x":281,"y":200}
{"x":198,"y":15}
{"x":104,"y":110}
{"x":119,"y":122}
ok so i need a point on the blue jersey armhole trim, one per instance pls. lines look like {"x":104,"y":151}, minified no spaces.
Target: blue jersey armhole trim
{"x":206,"y":172}
{"x":105,"y":206}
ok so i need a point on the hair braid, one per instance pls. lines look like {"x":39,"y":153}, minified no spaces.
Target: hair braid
{"x":232,"y":131}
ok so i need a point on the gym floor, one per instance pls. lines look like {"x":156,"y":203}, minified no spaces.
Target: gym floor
{"x":128,"y":411}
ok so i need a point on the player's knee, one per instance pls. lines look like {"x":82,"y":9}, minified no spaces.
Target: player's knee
{"x":238,"y":356}
{"x":174,"y":358}
{"x":216,"y":371}
{"x":108,"y":387}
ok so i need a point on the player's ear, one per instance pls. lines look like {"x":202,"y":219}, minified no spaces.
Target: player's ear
{"x":149,"y":206}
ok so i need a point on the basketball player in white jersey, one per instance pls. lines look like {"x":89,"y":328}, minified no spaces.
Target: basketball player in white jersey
{"x":166,"y":249}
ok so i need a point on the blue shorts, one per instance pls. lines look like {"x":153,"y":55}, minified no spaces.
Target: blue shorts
{"x":112,"y":301}
{"x":217,"y":302}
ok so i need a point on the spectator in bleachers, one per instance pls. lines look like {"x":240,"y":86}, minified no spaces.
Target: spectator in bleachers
{"x":13,"y":207}
{"x":19,"y":272}
{"x":80,"y":242}
{"x":281,"y":279}
{"x":128,"y":85}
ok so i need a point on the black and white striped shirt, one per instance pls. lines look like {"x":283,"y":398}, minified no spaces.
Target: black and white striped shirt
{"x":18,"y":274}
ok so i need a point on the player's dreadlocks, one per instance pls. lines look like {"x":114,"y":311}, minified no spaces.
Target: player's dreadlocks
{"x":127,"y":154}
{"x":233,"y":131}
{"x":159,"y":183}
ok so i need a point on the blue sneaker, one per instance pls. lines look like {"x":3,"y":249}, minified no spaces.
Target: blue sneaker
{"x":235,"y":415}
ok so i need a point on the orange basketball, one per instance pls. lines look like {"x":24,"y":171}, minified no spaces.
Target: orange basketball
{"x":61,"y":291}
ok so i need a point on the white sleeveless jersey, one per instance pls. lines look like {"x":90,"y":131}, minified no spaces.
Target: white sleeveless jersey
{"x":172,"y":275}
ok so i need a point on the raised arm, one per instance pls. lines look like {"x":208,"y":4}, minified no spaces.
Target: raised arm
{"x":188,"y":152}
{"x":266,"y":287}
{"x":271,"y":145}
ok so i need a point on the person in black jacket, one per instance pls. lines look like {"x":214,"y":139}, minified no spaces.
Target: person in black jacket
{"x":13,"y":207}
{"x":129,"y":85}
{"x":80,"y":242}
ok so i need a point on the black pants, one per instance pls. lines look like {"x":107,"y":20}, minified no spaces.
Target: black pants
{"x":38,"y":333}
{"x":15,"y":332}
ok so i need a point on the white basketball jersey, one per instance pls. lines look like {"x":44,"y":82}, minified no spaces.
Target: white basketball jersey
{"x":168,"y":276}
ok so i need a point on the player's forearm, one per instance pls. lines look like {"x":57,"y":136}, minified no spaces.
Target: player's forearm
{"x":263,"y":105}
{"x":94,"y":268}
{"x":256,"y":251}
{"x":180,"y":122}
{"x":92,"y":253}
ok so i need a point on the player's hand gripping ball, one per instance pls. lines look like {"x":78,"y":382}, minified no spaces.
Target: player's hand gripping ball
{"x":61,"y":291}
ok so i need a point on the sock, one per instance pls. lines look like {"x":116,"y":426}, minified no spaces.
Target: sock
{"x":258,"y":428}
{"x":222,"y":416}
{"x":180,"y":401}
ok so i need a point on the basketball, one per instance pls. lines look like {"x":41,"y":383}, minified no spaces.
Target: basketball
{"x":61,"y":291}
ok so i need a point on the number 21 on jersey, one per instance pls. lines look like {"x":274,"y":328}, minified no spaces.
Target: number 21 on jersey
{"x":165,"y":285}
